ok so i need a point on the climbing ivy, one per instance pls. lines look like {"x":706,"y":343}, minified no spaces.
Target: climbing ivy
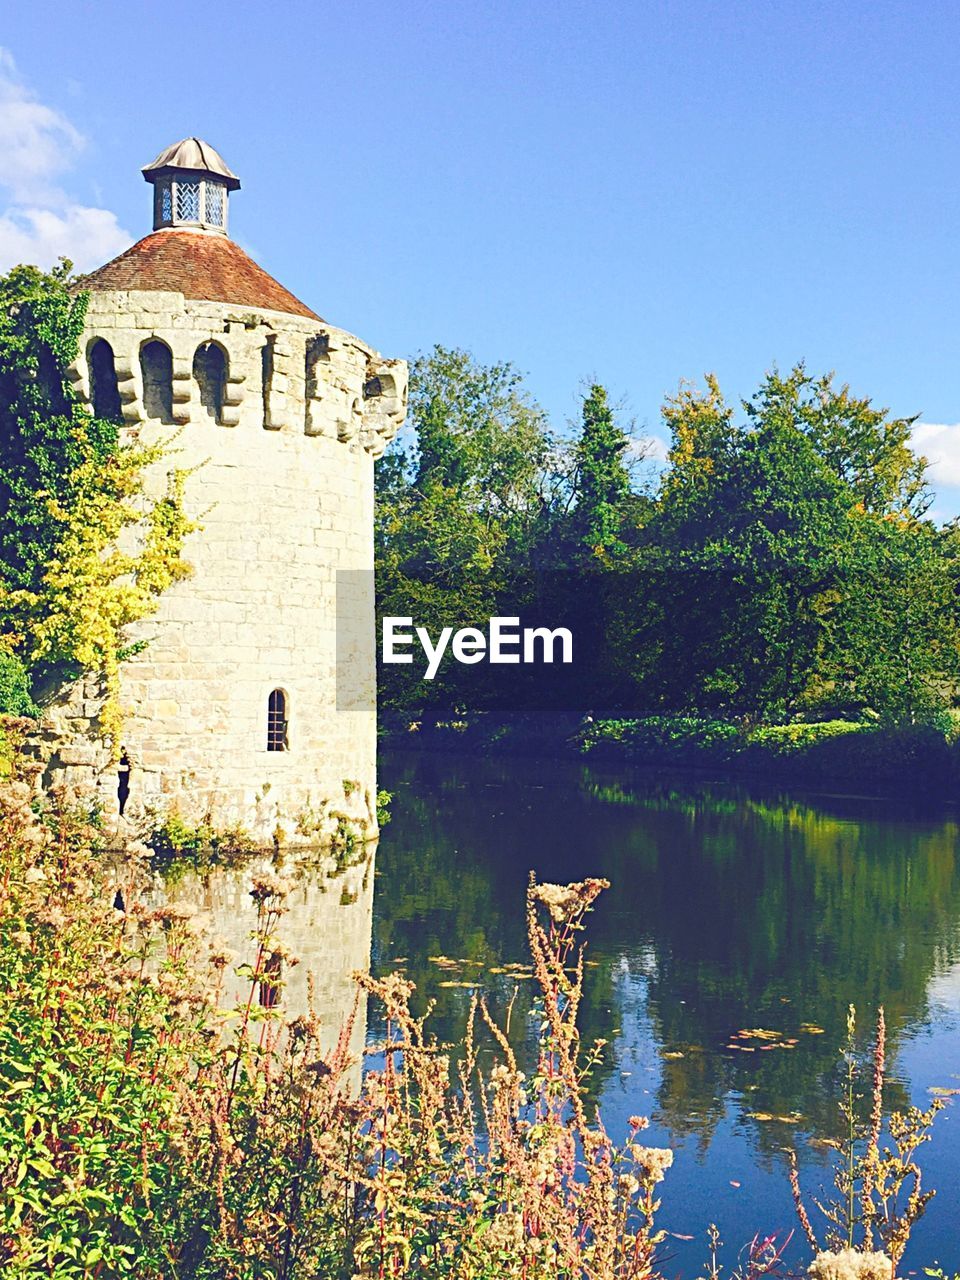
{"x":83,"y":551}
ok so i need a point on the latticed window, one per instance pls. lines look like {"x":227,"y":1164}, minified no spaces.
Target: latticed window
{"x":188,"y":201}
{"x":213,"y":202}
{"x":164,"y":199}
{"x":277,"y":721}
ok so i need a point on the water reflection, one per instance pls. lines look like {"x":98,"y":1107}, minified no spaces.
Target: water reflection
{"x":733,"y":910}
{"x":326,"y":927}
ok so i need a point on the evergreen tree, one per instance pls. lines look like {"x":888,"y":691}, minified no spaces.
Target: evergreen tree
{"x":602,"y":483}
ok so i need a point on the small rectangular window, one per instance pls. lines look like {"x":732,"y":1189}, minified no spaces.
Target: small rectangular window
{"x":213,"y":201}
{"x":277,"y":721}
{"x":188,"y":201}
{"x":164,"y":203}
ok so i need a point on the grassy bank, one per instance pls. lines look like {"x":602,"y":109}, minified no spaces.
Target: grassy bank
{"x":874,"y":757}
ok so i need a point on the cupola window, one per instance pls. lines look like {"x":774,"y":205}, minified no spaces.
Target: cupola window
{"x":191,"y":184}
{"x":213,"y":204}
{"x":277,"y":721}
{"x":188,"y":201}
{"x":164,"y":203}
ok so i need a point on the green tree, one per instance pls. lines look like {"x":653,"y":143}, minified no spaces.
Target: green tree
{"x":601,"y":479}
{"x":462,"y":502}
{"x":864,"y":447}
{"x":788,"y":564}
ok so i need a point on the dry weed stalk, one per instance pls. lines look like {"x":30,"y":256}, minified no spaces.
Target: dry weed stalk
{"x":880,"y":1197}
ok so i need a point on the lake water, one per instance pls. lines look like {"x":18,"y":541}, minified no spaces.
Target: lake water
{"x":732,"y":909}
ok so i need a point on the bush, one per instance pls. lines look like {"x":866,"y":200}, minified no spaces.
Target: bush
{"x":785,"y":739}
{"x":174,"y":841}
{"x":657,"y":739}
{"x":908,"y":757}
{"x":15,"y":699}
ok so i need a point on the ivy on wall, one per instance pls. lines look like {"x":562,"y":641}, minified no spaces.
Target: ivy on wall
{"x":83,"y":551}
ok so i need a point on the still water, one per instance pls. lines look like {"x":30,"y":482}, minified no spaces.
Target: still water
{"x":733,"y":909}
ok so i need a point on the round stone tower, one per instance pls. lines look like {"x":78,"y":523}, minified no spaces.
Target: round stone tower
{"x":250,"y":699}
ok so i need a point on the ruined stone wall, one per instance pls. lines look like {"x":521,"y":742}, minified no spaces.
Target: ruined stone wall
{"x":282,"y":487}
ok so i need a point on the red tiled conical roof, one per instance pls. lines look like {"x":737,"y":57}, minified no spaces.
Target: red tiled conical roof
{"x":207,"y":268}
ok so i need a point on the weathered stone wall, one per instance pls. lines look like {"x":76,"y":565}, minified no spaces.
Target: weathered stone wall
{"x":282,"y":487}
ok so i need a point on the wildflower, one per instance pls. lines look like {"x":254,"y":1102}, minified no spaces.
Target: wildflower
{"x":850,"y":1264}
{"x":267,"y":884}
{"x":654,"y":1161}
{"x":628,"y":1184}
{"x":174,"y":913}
{"x":506,"y":1231}
{"x":565,"y":901}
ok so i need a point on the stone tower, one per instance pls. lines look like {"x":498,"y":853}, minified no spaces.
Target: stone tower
{"x":231,"y":700}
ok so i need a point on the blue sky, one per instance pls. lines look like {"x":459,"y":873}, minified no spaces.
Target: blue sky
{"x":633,"y":192}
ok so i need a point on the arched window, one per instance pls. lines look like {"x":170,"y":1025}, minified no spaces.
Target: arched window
{"x":156,"y":365}
{"x":210,"y":372}
{"x":103,"y":381}
{"x":277,"y":721}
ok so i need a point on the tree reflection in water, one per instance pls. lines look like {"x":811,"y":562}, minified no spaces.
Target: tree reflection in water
{"x":733,"y":909}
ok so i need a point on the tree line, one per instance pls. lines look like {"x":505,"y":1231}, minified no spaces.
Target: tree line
{"x":781,"y":566}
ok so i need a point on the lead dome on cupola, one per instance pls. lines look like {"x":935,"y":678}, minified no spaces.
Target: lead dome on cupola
{"x":191,"y":183}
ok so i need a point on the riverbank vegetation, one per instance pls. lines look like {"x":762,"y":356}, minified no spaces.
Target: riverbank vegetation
{"x":146,"y":1134}
{"x":779,"y":571}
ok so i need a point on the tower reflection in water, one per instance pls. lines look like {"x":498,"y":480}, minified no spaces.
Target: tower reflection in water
{"x":326,"y":927}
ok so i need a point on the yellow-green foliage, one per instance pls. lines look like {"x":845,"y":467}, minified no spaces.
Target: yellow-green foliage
{"x":83,"y":551}
{"x":93,"y":589}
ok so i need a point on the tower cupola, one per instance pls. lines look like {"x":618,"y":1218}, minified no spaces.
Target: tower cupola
{"x":191,"y":184}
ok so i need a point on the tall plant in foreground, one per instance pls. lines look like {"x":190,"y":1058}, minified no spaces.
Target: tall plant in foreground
{"x":879,"y":1193}
{"x":147,"y":1132}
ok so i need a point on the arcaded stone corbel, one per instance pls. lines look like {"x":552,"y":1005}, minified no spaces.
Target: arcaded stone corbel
{"x":350,"y":425}
{"x":316,"y":360}
{"x":182,"y":389}
{"x":128,"y":386}
{"x":276,"y":409}
{"x":79,"y":376}
{"x":373,"y":443}
{"x":233,"y":389}
{"x":232,"y":399}
{"x":313,"y":424}
{"x":385,"y":403}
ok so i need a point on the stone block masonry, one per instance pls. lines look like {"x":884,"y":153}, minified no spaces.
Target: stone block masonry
{"x":279,"y":427}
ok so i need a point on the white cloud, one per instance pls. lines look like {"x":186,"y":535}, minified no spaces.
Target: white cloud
{"x":648,"y":449}
{"x":940,"y":443}
{"x":39,"y":221}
